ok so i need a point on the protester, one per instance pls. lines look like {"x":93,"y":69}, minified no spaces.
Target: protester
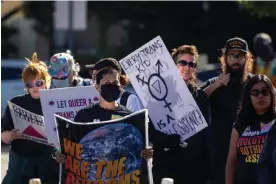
{"x":224,"y":93}
{"x":250,"y":129}
{"x":64,"y":71}
{"x":127,"y":99}
{"x":266,"y":57}
{"x":28,"y":159}
{"x":184,"y":164}
{"x":108,"y":85}
{"x":267,"y":160}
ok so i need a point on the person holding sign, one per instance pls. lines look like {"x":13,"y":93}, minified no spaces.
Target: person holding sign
{"x":194,"y":157}
{"x":64,"y":71}
{"x":254,"y":119}
{"x":28,"y":159}
{"x":108,"y":85}
{"x":224,"y":93}
{"x":127,"y":99}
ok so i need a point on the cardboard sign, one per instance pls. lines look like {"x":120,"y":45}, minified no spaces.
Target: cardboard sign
{"x":29,"y":124}
{"x":105,"y":152}
{"x":162,"y":90}
{"x":65,"y":102}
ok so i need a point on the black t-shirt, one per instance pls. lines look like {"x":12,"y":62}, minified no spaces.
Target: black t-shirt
{"x":96,"y":113}
{"x":224,"y":103}
{"x":24,"y":147}
{"x":249,"y":147}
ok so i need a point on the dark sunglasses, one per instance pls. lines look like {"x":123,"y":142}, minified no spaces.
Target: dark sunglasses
{"x":191,"y":64}
{"x":256,"y":92}
{"x":37,"y":83}
{"x":235,"y":56}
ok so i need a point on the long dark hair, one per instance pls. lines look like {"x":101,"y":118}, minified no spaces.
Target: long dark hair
{"x":246,"y":112}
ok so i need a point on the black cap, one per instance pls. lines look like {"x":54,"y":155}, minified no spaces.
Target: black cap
{"x":236,"y":44}
{"x":106,"y":62}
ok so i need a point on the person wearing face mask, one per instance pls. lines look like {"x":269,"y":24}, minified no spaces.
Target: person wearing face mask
{"x":127,"y":99}
{"x":194,"y":157}
{"x":254,"y":119}
{"x":224,"y":93}
{"x":266,"y":58}
{"x":108,"y":85}
{"x":28,"y":159}
{"x":64,"y":71}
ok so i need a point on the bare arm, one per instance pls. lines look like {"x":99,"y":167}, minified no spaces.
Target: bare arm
{"x":232,"y":158}
{"x":210,"y":89}
{"x":222,"y":79}
{"x":8,"y":136}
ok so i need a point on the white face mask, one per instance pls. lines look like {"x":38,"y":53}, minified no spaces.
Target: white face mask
{"x":60,"y":83}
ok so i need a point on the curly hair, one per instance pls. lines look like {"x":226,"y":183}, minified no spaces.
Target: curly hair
{"x":246,"y":110}
{"x":248,"y":68}
{"x":34,"y":69}
{"x":187,"y":49}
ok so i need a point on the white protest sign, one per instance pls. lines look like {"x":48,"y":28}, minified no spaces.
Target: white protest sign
{"x":65,"y":102}
{"x":162,"y":91}
{"x":29,"y":124}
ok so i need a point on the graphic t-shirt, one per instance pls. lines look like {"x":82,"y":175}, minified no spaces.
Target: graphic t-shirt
{"x":24,"y":147}
{"x":249,"y":146}
{"x":95,"y":113}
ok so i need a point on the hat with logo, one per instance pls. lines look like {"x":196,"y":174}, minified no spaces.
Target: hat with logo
{"x":236,"y":44}
{"x":106,"y":62}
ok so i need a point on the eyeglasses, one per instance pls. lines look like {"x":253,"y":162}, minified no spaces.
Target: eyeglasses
{"x":37,"y":83}
{"x":235,"y":56}
{"x":256,"y":92}
{"x":191,"y":64}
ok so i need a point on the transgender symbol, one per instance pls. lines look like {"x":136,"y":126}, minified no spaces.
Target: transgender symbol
{"x":157,"y":86}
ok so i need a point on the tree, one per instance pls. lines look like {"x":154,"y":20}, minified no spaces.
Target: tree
{"x":260,"y":9}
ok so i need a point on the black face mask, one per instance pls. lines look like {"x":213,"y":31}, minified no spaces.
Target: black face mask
{"x":110,"y":92}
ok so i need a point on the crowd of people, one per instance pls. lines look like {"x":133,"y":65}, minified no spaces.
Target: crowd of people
{"x":237,"y":147}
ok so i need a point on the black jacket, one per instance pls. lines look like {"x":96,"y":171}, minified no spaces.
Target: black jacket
{"x":193,"y":159}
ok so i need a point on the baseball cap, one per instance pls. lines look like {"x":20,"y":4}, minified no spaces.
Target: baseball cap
{"x":61,"y":65}
{"x":236,"y":44}
{"x":106,"y":62}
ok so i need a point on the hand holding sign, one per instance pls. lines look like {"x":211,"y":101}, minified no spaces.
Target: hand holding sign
{"x":15,"y":134}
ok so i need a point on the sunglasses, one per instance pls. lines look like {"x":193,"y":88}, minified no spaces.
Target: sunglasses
{"x":191,"y":64}
{"x":235,"y":56}
{"x":256,"y":92}
{"x":37,"y":83}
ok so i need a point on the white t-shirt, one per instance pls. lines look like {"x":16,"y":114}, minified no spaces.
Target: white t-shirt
{"x":133,"y":103}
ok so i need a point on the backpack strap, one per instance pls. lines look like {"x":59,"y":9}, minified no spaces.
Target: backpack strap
{"x":124,"y":97}
{"x":86,"y":82}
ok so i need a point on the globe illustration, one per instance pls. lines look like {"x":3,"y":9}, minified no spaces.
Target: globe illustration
{"x":112,"y":142}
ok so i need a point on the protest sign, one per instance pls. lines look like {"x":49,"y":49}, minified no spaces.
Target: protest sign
{"x":105,"y":152}
{"x":65,"y":102}
{"x":162,"y":91}
{"x":29,"y":124}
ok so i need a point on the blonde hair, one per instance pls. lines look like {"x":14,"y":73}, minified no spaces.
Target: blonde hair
{"x":248,"y":67}
{"x":34,"y":69}
{"x":187,"y":49}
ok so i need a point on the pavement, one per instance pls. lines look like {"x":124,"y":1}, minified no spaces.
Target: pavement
{"x":4,"y":160}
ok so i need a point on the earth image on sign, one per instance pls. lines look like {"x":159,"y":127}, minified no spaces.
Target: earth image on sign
{"x":112,"y":142}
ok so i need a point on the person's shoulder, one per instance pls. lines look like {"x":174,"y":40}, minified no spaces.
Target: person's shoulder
{"x":123,"y":110}
{"x":89,"y":108}
{"x":20,"y":98}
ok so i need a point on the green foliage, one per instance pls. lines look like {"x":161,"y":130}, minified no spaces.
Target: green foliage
{"x":260,"y":9}
{"x":41,"y":11}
